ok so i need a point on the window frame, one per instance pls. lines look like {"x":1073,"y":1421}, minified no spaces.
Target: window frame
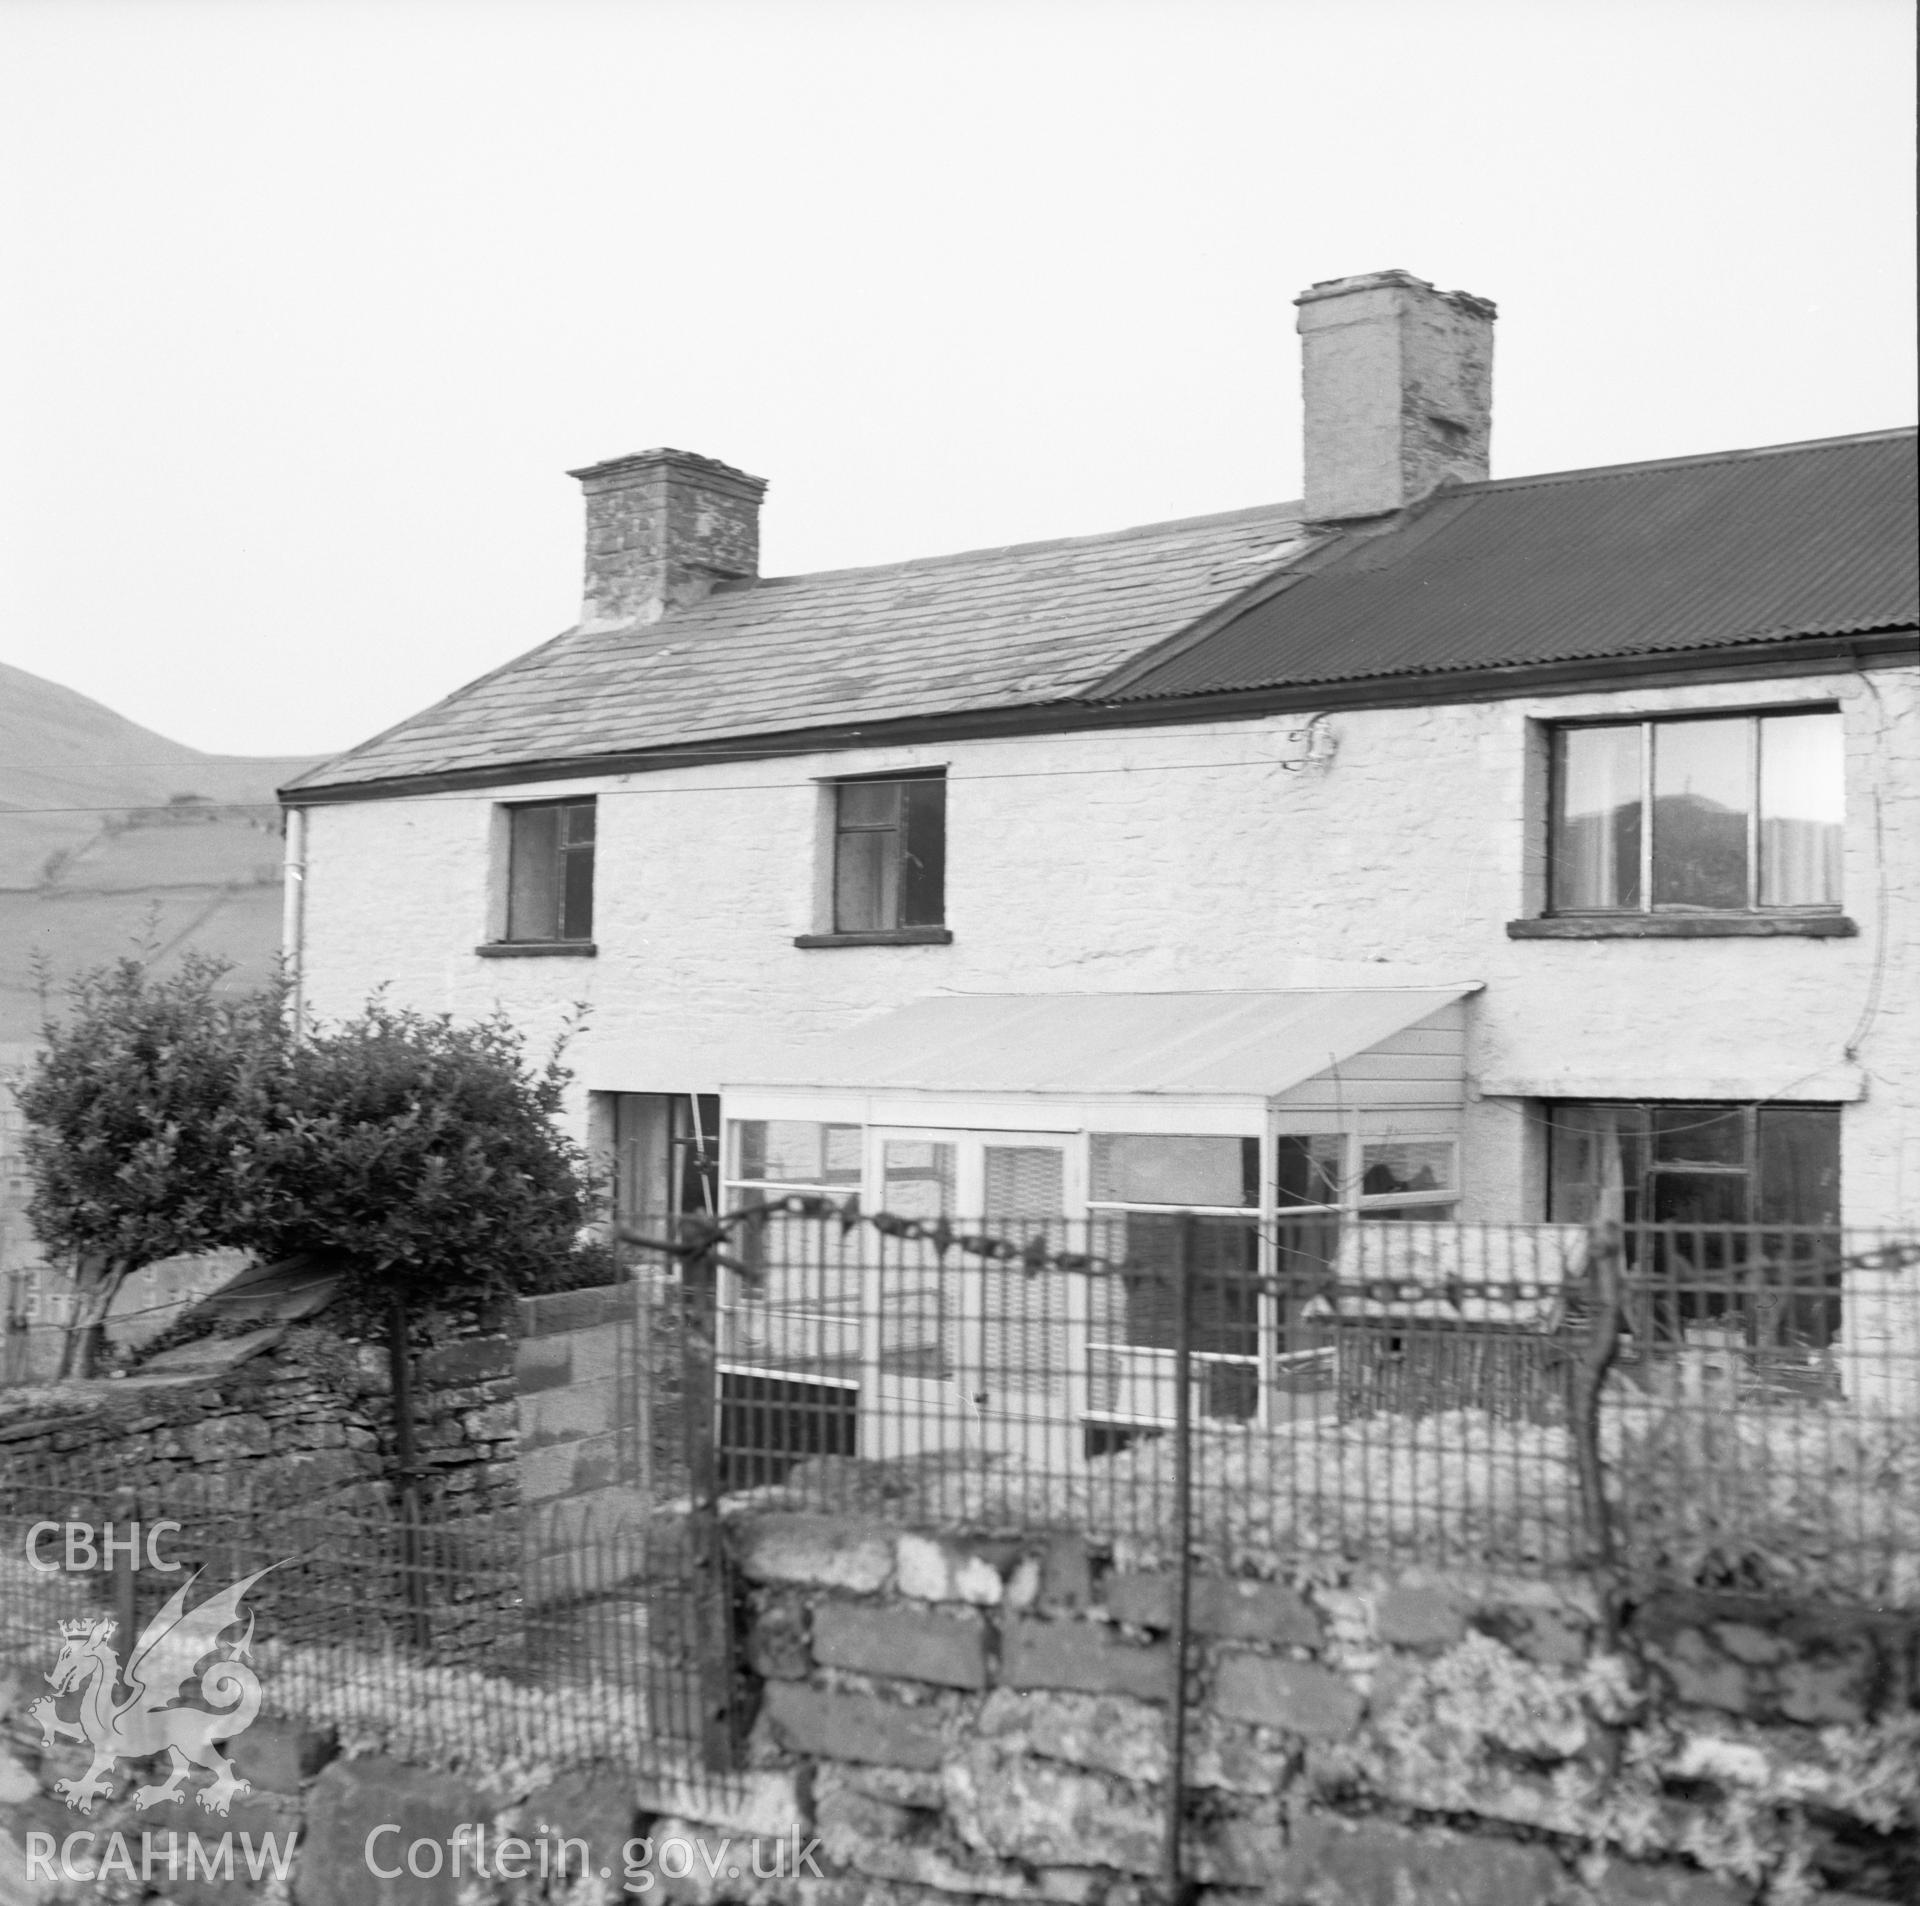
{"x":1750,"y":1171}
{"x":824,"y":1289}
{"x":1654,"y":915}
{"x":1441,"y":1204}
{"x":737,"y":1179}
{"x":568,"y":936}
{"x":1307,"y":1236}
{"x":1259,"y":1360}
{"x":1696,"y":1272}
{"x":835,"y":829}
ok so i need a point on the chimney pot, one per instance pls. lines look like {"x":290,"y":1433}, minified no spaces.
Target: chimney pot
{"x":663,"y":527}
{"x":1398,"y":386}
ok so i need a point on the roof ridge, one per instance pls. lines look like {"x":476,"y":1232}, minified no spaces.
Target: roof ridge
{"x":1294,"y":510}
{"x":1220,"y":519}
{"x":1599,"y":471}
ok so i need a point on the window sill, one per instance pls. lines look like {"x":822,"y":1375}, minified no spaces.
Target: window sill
{"x":1684,"y":926}
{"x":538,"y":950}
{"x":889,"y":936}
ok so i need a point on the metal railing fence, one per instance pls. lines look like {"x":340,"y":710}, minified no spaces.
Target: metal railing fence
{"x":1711,"y":1404}
{"x":1715,"y":1407}
{"x":429,"y":1642}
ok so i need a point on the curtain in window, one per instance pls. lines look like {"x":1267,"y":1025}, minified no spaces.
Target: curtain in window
{"x":1589,"y":1169}
{"x":1596,"y":844}
{"x":1799,"y":863}
{"x":1802,"y":810}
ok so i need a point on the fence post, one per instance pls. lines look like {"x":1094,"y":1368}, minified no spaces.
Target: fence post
{"x":400,"y":1367}
{"x":125,"y":1606}
{"x":1170,"y":1875}
{"x":1596,"y":1355}
{"x":711,"y":1613}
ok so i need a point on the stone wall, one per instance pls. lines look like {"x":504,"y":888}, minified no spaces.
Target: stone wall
{"x":990,"y":1720}
{"x":307,"y":1424}
{"x":945,"y":1722}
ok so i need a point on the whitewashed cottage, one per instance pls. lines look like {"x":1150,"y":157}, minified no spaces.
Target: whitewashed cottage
{"x":1433,"y":847}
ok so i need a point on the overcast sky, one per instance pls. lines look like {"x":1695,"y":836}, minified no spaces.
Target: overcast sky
{"x":311,"y":306}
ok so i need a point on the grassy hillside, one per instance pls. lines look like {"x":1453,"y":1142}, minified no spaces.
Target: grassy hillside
{"x":113,"y":837}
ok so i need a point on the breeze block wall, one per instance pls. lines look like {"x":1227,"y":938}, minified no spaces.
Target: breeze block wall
{"x":974,"y":1720}
{"x":579,"y":1404}
{"x":597,"y":1379}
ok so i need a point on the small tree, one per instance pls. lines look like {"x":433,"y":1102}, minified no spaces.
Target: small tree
{"x":424,"y":1152}
{"x":144,"y":1113}
{"x":164,"y":1116}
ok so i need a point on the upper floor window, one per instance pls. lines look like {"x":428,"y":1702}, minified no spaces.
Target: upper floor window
{"x":550,"y":872}
{"x":1714,"y":814}
{"x":890,"y":854}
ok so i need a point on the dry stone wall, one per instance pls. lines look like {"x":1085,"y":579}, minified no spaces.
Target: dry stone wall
{"x":305,"y":1426}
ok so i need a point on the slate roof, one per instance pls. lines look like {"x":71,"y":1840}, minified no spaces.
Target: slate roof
{"x":1636,"y":560}
{"x":1033,"y":623}
{"x":1632,"y":561}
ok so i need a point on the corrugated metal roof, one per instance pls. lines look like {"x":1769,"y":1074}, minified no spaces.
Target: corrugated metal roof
{"x":1228,"y":1045}
{"x":1754,"y":546}
{"x":995,"y":628}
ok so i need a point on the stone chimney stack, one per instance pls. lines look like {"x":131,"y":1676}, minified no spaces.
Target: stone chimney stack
{"x":1398,"y":382}
{"x":663,"y":527}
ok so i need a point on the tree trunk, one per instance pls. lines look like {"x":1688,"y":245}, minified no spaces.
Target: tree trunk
{"x":96,"y":1283}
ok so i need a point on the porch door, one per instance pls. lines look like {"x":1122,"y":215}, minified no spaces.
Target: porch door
{"x":1024,"y":1321}
{"x":992,"y":1327}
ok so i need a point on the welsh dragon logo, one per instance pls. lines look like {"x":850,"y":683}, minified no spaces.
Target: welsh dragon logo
{"x":143,"y":1721}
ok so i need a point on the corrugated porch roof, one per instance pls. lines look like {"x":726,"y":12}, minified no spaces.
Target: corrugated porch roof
{"x":1213,"y":1045}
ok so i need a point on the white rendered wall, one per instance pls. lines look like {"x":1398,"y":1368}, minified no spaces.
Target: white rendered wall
{"x":1186,"y":858}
